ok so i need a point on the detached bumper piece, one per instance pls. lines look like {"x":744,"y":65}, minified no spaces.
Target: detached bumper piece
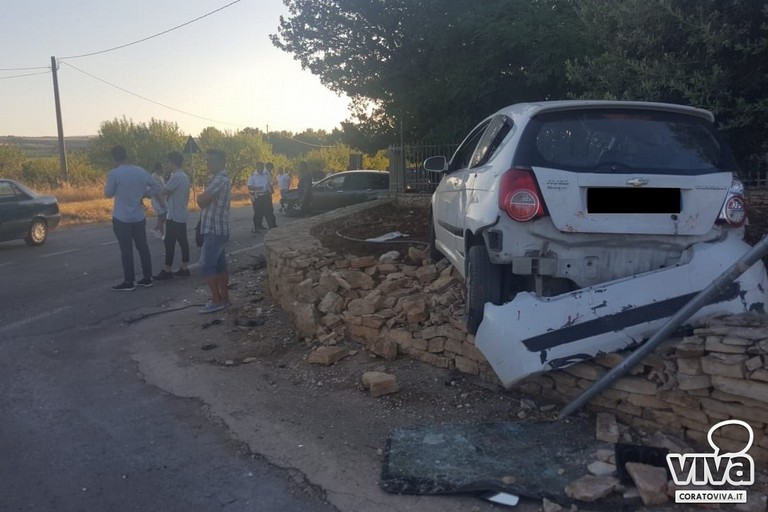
{"x":536,"y":334}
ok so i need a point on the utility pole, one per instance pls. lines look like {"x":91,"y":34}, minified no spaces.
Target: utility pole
{"x":59,"y":125}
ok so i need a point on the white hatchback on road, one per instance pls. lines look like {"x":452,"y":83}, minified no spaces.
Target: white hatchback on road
{"x":554,"y":198}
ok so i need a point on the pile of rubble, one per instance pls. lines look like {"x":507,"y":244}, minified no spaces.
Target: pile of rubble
{"x":686,"y":386}
{"x":606,"y":477}
{"x":406,"y":304}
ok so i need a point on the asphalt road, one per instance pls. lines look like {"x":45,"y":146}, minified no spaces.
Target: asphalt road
{"x":80,"y":430}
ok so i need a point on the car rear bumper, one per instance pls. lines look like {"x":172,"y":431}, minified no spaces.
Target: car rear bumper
{"x":534,"y":334}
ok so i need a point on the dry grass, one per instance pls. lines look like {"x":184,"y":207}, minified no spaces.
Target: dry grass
{"x":86,"y":205}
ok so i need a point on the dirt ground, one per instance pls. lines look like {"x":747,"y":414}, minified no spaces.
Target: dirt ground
{"x":259,"y":329}
{"x":255,"y":331}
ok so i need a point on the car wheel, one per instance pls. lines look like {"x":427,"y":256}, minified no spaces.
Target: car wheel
{"x":483,"y":283}
{"x":434,"y":254}
{"x":38,"y":232}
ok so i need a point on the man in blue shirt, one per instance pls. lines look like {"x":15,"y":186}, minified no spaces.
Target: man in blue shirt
{"x":129,"y":184}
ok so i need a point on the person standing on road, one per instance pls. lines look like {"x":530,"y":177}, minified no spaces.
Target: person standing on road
{"x":269,"y":211}
{"x":177,"y":204}
{"x":158,"y":203}
{"x":261,"y":189}
{"x":129,"y":185}
{"x":214,"y":226}
{"x":283,"y":184}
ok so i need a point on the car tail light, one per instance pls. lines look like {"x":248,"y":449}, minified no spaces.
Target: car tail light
{"x":519,"y":195}
{"x":734,"y":211}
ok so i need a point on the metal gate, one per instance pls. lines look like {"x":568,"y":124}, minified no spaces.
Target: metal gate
{"x":406,"y":170}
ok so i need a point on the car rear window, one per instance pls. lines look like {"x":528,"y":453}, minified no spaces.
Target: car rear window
{"x":623,"y":141}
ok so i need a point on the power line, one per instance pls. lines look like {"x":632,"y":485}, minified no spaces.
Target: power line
{"x":182,"y":111}
{"x":149,"y":100}
{"x":23,"y":69}
{"x":153,"y":36}
{"x":26,"y":74}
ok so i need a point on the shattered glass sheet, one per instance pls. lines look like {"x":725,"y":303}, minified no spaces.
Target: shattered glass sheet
{"x":536,"y":460}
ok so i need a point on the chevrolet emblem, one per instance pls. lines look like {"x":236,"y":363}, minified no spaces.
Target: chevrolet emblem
{"x":637,"y":182}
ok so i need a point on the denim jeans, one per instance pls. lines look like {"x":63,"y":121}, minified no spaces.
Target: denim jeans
{"x":213,"y":256}
{"x":129,"y":234}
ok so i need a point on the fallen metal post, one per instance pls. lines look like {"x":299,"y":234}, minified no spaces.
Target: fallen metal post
{"x":701,"y":299}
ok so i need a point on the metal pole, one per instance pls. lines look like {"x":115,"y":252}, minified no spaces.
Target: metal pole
{"x":59,"y":124}
{"x":702,"y":298}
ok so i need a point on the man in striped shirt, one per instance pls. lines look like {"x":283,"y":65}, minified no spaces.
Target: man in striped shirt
{"x":214,"y":226}
{"x":177,"y":203}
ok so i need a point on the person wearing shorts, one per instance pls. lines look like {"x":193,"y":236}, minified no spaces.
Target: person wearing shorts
{"x":214,"y":226}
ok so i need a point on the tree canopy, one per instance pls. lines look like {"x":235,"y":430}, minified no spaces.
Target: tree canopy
{"x":430,"y":64}
{"x":436,"y":67}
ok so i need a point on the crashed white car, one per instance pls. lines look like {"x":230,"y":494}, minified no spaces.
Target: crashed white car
{"x":581,"y":226}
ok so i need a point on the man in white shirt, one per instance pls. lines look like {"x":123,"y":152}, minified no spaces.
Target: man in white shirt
{"x":260,"y":186}
{"x":283,"y":183}
{"x":177,"y":193}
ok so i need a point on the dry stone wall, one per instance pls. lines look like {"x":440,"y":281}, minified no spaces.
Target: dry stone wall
{"x":408,"y":305}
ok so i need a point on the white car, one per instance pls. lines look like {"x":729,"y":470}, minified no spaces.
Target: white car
{"x":557,"y":198}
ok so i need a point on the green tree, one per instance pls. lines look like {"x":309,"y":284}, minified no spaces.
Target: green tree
{"x":706,"y":53}
{"x":243,"y":148}
{"x":146,"y":143}
{"x":379,"y":161}
{"x":432,"y":68}
{"x":11,"y":160}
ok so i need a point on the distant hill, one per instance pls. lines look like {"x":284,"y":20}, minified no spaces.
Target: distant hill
{"x":46,"y":146}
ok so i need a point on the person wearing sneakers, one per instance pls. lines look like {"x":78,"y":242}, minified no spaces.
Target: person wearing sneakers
{"x":129,"y":184}
{"x":214,"y":226}
{"x":176,"y":192}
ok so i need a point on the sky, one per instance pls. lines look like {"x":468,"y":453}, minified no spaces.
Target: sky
{"x":220,"y":71}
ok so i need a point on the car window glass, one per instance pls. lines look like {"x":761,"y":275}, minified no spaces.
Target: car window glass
{"x":380,"y":182}
{"x":623,"y":140}
{"x":463,"y":155}
{"x":490,"y":141}
{"x":356,"y":182}
{"x":6,"y":191}
{"x":334,"y":183}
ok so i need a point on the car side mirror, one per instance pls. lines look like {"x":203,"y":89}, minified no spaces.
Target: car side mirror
{"x":436,"y":164}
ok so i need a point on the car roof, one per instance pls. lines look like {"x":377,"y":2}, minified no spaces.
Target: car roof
{"x":360,"y":171}
{"x":528,"y":110}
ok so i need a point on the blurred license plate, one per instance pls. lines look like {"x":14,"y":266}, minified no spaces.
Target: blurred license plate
{"x":633,"y":200}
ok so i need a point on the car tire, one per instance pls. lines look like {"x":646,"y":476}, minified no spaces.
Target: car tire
{"x":483,"y":284}
{"x":434,"y":254}
{"x":37,"y":234}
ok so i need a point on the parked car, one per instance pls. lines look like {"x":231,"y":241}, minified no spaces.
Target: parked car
{"x":341,"y":189}
{"x":25,"y":214}
{"x":586,"y":219}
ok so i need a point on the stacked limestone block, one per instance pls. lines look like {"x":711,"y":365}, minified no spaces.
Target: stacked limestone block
{"x":686,"y":386}
{"x":413,"y":307}
{"x":407,"y":305}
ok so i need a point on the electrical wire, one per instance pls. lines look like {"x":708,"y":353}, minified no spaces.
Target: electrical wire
{"x":26,"y":74}
{"x":152,"y":36}
{"x":150,"y":100}
{"x":176,"y":109}
{"x":23,"y":69}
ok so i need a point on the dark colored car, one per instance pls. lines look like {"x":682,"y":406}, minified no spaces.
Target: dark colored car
{"x":341,"y":189}
{"x":25,"y":214}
